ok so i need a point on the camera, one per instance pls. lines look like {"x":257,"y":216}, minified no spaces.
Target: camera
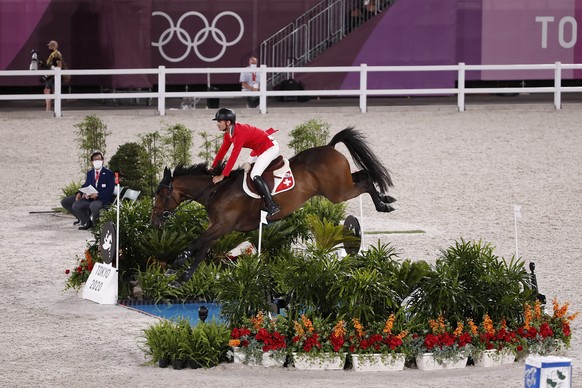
{"x":33,"y":60}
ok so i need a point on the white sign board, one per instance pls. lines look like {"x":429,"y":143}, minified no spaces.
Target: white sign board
{"x":548,"y":372}
{"x":101,"y":287}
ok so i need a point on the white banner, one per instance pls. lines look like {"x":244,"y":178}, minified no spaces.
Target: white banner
{"x":101,"y":287}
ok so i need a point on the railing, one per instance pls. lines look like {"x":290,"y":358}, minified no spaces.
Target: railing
{"x":315,"y":31}
{"x":363,"y":92}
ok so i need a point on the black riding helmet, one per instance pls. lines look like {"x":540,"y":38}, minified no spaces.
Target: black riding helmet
{"x":225,"y":114}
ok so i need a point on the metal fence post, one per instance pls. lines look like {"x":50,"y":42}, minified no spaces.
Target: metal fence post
{"x":57,"y":93}
{"x":558,"y":86}
{"x":461,"y":87}
{"x":363,"y":87}
{"x":162,"y":90}
{"x":263,"y":89}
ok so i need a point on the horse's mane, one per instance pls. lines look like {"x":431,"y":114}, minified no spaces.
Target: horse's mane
{"x":195,"y":169}
{"x":198,"y":169}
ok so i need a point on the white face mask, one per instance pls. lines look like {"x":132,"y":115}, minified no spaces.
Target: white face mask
{"x":253,"y":65}
{"x":97,"y":164}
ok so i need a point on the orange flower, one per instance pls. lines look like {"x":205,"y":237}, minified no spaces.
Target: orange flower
{"x":88,"y":257}
{"x":234,"y":342}
{"x":561,"y":311}
{"x":538,"y":309}
{"x":298,"y":329}
{"x":488,"y":325}
{"x":474,"y":329}
{"x":359,"y":328}
{"x":402,"y":334}
{"x":257,"y":321}
{"x":437,"y":326}
{"x":459,"y":330}
{"x":527,"y":316}
{"x":339,"y":329}
{"x":389,"y":324}
{"x":307,"y":323}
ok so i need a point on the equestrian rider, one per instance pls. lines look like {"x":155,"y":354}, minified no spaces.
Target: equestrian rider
{"x":264,"y":148}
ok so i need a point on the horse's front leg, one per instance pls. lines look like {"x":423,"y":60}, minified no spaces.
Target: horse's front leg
{"x":199,"y":248}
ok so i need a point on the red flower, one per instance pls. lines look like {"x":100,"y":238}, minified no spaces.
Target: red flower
{"x":566,"y":329}
{"x":67,"y":271}
{"x":546,"y":330}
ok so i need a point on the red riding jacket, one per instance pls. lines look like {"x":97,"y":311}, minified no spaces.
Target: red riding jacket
{"x":244,"y":136}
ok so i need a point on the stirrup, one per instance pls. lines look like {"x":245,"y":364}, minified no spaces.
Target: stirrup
{"x":273,"y":210}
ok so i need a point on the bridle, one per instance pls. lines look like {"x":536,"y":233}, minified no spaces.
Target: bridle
{"x":165,"y":213}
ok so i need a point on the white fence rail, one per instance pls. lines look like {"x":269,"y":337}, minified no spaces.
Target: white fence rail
{"x":363,"y":92}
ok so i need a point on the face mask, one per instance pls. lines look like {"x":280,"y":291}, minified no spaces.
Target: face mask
{"x":97,"y":164}
{"x":253,"y":65}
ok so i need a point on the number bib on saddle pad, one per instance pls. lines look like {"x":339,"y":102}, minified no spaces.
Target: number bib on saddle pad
{"x":279,"y":179}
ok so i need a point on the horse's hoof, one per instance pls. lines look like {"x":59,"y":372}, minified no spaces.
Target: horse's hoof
{"x":170,"y":272}
{"x":387,"y":198}
{"x":175,"y":285}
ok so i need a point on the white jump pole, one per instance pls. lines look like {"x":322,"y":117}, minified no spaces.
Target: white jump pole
{"x":263,"y":220}
{"x":516,"y":215}
{"x":117,"y":224}
{"x":362,"y":222}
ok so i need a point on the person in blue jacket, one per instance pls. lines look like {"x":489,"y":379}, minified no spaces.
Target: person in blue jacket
{"x":86,"y":207}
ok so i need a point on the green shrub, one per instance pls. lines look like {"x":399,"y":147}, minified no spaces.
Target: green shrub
{"x":313,"y":133}
{"x":243,"y":288}
{"x":91,"y":135}
{"x":178,"y":140}
{"x":469,"y":280}
{"x":70,"y":189}
{"x":154,"y":284}
{"x":132,"y":161}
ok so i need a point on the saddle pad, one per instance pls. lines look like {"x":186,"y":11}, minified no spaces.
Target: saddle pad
{"x":282,"y":181}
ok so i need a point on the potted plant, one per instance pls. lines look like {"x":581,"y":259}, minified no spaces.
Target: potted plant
{"x":493,"y":345}
{"x":318,"y":345}
{"x":208,"y":344}
{"x":157,"y":344}
{"x":260,"y":341}
{"x":543,"y":333}
{"x":441,"y":347}
{"x":376,"y":349}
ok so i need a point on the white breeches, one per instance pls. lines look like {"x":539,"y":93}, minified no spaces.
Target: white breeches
{"x":264,"y":159}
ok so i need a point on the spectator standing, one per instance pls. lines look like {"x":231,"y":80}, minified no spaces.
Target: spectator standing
{"x":250,"y":82}
{"x":54,"y":60}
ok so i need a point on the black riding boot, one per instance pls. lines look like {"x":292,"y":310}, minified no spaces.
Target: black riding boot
{"x":272,"y":207}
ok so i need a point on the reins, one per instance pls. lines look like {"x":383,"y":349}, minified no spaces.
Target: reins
{"x":168,"y":213}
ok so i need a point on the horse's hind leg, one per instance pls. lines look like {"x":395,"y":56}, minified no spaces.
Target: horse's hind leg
{"x":381,"y":200}
{"x":363,"y":176}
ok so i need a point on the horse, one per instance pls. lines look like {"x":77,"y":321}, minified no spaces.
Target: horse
{"x":320,"y":170}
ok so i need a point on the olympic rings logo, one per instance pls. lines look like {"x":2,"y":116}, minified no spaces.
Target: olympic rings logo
{"x":199,"y":38}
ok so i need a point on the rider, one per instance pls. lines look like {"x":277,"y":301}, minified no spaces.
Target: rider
{"x":264,"y":148}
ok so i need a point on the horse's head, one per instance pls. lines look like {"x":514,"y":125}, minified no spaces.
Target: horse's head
{"x":166,"y":200}
{"x":188,"y":184}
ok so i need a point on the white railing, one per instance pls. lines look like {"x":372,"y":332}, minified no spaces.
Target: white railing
{"x":363,"y":92}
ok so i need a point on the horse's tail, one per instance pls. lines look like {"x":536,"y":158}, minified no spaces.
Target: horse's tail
{"x":363,"y":156}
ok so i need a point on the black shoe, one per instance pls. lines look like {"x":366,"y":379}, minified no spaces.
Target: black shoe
{"x":273,"y":210}
{"x":87,"y":226}
{"x":76,"y":222}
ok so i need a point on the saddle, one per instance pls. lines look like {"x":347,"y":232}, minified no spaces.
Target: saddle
{"x":278,"y":177}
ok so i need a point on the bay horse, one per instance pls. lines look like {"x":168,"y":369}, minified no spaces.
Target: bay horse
{"x":317,"y":171}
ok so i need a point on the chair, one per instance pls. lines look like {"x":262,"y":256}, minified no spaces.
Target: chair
{"x":131,"y":194}
{"x":114,"y":202}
